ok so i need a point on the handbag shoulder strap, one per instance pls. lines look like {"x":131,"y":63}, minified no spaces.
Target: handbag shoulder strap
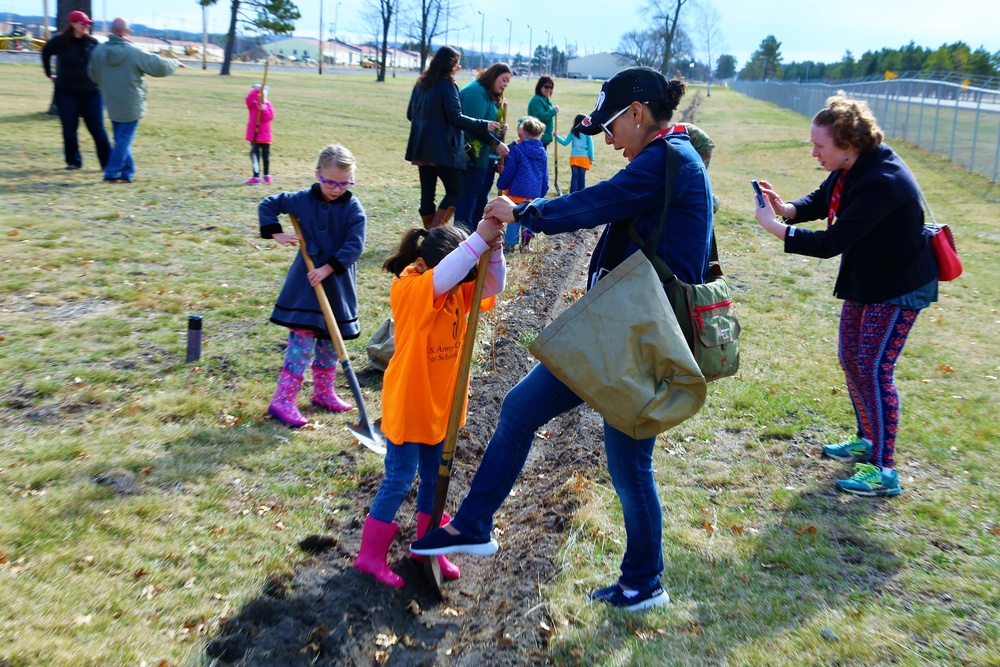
{"x":920,"y":191}
{"x":649,"y":245}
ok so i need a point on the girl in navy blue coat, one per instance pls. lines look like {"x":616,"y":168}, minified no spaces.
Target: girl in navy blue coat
{"x":333,"y":224}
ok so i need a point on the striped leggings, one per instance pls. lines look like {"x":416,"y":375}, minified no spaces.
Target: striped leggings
{"x":871,"y":339}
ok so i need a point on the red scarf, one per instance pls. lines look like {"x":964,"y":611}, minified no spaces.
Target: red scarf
{"x":835,"y":198}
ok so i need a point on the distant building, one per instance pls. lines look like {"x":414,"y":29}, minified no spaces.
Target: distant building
{"x":597,"y":66}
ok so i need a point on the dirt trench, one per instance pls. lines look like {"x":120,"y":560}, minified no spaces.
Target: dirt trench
{"x":496,"y":614}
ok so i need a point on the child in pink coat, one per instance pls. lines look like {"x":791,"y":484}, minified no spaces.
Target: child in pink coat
{"x":259,"y":132}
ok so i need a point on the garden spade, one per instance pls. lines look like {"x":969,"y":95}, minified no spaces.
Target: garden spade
{"x":431,"y":565}
{"x":366,"y":434}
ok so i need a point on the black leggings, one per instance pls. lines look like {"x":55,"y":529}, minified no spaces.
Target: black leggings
{"x":258,"y":153}
{"x":452,"y":180}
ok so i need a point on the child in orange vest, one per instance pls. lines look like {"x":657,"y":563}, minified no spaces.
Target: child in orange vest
{"x":435,"y":272}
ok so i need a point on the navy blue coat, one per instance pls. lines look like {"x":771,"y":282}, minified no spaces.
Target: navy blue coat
{"x":334,"y":234}
{"x":878,"y":231}
{"x":436,"y":125}
{"x":637,"y":193}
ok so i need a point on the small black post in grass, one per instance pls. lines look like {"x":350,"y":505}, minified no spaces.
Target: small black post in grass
{"x":194,"y":338}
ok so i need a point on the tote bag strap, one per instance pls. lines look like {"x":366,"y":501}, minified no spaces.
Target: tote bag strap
{"x":649,"y":246}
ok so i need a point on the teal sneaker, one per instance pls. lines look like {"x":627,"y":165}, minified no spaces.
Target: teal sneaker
{"x":855,"y":449}
{"x":869,"y":480}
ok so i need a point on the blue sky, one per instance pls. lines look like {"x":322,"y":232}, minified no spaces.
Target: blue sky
{"x":818,"y":31}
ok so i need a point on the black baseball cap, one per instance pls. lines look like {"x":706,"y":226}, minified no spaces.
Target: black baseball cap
{"x":635,"y":84}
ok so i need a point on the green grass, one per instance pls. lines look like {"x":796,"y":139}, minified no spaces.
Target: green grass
{"x":760,"y":554}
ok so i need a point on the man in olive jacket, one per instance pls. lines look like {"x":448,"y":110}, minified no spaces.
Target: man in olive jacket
{"x":117,"y":67}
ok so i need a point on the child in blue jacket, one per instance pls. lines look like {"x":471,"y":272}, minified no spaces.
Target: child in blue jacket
{"x":525,"y":175}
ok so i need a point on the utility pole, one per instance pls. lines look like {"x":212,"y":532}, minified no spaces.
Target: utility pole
{"x":321,"y":37}
{"x":509,"y":27}
{"x":531,"y":54}
{"x":482,"y":29}
{"x":548,"y":55}
{"x":204,"y":37}
{"x":395,"y":41}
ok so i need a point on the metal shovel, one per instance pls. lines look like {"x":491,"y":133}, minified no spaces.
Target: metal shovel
{"x":431,"y":565}
{"x":366,"y":434}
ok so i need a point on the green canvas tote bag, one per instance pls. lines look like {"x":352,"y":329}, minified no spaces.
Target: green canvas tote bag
{"x":621,"y":350}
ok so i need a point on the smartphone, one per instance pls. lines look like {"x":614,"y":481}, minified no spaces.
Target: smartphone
{"x":760,"y":195}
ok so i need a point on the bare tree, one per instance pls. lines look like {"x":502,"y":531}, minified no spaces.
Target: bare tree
{"x":640,"y":47}
{"x":380,"y":15}
{"x":668,"y":14}
{"x":707,"y":20}
{"x":426,"y":25}
{"x":274,"y":16}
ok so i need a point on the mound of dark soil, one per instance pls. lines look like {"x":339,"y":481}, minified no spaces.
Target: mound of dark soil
{"x":331,"y":614}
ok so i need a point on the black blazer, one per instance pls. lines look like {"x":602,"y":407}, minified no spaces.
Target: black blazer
{"x":878,"y":231}
{"x":436,"y":125}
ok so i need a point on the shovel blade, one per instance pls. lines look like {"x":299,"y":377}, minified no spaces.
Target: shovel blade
{"x":432,"y":568}
{"x":369,"y":435}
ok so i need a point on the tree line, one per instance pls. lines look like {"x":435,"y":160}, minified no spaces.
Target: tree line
{"x":959,"y":57}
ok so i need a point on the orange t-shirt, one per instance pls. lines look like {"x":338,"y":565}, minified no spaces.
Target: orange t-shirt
{"x":420,"y":380}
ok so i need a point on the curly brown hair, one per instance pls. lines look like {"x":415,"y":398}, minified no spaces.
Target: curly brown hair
{"x":851,"y":123}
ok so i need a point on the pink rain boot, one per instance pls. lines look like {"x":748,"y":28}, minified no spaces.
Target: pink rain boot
{"x":448,"y":569}
{"x":324,"y":393}
{"x":283,"y":407}
{"x":376,"y":538}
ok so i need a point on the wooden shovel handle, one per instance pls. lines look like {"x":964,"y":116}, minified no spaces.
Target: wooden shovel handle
{"x":324,"y":302}
{"x":458,"y":398}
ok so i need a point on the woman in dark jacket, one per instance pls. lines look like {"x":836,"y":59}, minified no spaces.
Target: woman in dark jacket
{"x":887,"y":273}
{"x":76,"y":95}
{"x":436,"y":144}
{"x":634,"y":111}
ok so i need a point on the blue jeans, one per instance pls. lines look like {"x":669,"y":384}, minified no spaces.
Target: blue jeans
{"x":72,"y":106}
{"x":533,"y":401}
{"x":401,"y":464}
{"x":121,"y":165}
{"x":476,"y":186}
{"x":578,"y":178}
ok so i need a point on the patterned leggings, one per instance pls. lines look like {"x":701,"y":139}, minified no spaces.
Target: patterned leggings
{"x":871,"y":339}
{"x":301,"y":343}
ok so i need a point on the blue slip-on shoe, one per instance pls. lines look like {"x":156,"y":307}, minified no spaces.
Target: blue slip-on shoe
{"x":869,"y":480}
{"x":851,"y":450}
{"x":440,"y":542}
{"x":618,"y":597}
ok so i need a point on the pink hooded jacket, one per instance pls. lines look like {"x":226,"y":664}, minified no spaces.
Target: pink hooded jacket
{"x":264,"y":132}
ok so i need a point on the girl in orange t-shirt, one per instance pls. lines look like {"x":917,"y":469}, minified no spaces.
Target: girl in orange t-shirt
{"x":430,"y":297}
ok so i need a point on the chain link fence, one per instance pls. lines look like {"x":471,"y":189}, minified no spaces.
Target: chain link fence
{"x":958,"y":121}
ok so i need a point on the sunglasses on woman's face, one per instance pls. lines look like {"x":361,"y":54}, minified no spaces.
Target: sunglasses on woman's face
{"x":547,"y":87}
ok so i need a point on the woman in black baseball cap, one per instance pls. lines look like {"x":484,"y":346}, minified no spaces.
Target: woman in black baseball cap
{"x":634,"y":110}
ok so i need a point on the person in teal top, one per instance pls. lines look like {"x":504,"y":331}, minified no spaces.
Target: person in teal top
{"x":482,"y":99}
{"x":541,"y":107}
{"x":581,"y":154}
